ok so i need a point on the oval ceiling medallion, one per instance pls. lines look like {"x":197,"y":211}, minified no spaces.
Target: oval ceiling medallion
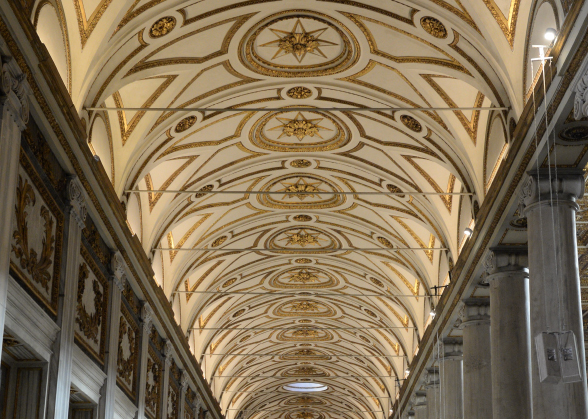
{"x":302,"y":237}
{"x":299,"y":92}
{"x":302,"y":218}
{"x":434,"y":27}
{"x":186,"y":123}
{"x":306,"y":308}
{"x":219,"y":241}
{"x":299,"y":43}
{"x":303,"y":260}
{"x":301,"y":192}
{"x":575,"y":133}
{"x":294,"y":131}
{"x":162,"y":27}
{"x":306,"y":278}
{"x":300,"y":163}
{"x":229,"y":282}
{"x":411,"y":123}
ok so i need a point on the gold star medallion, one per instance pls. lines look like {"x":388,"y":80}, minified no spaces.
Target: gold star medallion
{"x":301,"y":189}
{"x":299,"y":127}
{"x":298,"y":42}
{"x":303,"y":238}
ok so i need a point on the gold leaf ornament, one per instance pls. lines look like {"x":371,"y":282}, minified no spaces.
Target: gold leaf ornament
{"x":219,"y":241}
{"x":411,"y":123}
{"x":300,"y":163}
{"x":299,"y":92}
{"x":302,"y":218}
{"x":186,"y":123}
{"x":303,"y":260}
{"x":434,"y":27}
{"x":385,"y":242}
{"x":162,"y":27}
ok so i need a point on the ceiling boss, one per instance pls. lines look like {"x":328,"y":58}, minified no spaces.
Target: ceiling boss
{"x":299,"y":127}
{"x":298,"y":42}
{"x":301,"y":189}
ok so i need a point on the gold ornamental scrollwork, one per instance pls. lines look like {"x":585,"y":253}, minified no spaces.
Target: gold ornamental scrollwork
{"x":411,"y":123}
{"x":89,"y":323}
{"x":304,"y":335}
{"x":300,"y":163}
{"x":434,"y":27}
{"x":312,"y":239}
{"x":302,"y":218}
{"x":299,"y":92}
{"x":162,"y":27}
{"x":305,"y":308}
{"x":299,"y":43}
{"x":186,"y":123}
{"x":303,"y":260}
{"x":303,"y":278}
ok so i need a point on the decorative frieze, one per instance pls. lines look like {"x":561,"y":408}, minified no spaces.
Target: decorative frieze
{"x":581,"y":98}
{"x":153,"y":384}
{"x":128,"y":353}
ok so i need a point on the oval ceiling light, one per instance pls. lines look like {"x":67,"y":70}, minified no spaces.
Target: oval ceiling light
{"x":305,"y":387}
{"x":550,"y":34}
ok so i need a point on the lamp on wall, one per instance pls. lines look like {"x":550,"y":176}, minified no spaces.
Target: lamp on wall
{"x":550,"y":34}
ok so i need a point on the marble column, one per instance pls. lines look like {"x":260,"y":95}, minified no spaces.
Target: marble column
{"x":117,"y":284}
{"x":508,"y":277}
{"x":14,"y":115}
{"x":477,"y":374}
{"x":450,"y":362}
{"x":168,"y":352}
{"x":433,"y":396}
{"x":554,"y":286}
{"x":61,"y":361}
{"x":420,"y":405}
{"x":147,"y":316}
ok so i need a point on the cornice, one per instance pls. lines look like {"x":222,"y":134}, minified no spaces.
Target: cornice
{"x":88,"y":171}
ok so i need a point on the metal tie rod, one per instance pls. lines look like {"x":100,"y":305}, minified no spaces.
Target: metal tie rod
{"x":305,"y":376}
{"x":336,"y":394}
{"x":296,"y":109}
{"x":314,"y":408}
{"x":315,"y":356}
{"x":299,"y":327}
{"x":350,"y":249}
{"x":182,"y":191}
{"x":305,"y":293}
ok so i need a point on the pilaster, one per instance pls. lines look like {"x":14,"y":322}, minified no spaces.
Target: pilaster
{"x":168,"y":352}
{"x":14,"y":115}
{"x":183,"y":390}
{"x":147,"y":316}
{"x":118,"y":279}
{"x":61,"y":362}
{"x":450,"y":360}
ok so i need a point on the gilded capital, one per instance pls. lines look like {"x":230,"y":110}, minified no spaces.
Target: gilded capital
{"x":168,"y":351}
{"x":475,"y":311}
{"x":184,"y":381}
{"x":147,"y":317}
{"x":118,"y":266}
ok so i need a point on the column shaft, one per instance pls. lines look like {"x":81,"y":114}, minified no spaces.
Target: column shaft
{"x":147,"y":315}
{"x":433,"y":396}
{"x":477,"y":375}
{"x":555,"y":284}
{"x":511,"y":342}
{"x":451,"y":378}
{"x":420,"y":405}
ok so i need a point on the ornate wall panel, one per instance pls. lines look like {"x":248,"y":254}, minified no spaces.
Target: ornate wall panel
{"x":173,"y":400}
{"x":92,"y":307}
{"x":37,"y":239}
{"x":153,"y":384}
{"x":128,"y":352}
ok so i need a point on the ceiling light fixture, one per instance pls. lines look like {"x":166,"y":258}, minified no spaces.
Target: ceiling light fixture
{"x":550,"y":34}
{"x":432,"y":313}
{"x":468,"y":232}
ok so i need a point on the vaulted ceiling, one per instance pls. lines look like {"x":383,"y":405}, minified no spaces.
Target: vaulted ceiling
{"x":283,"y":56}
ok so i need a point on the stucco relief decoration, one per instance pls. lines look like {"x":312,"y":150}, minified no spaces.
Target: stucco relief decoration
{"x":162,"y":27}
{"x":411,"y":123}
{"x":299,"y":131}
{"x":299,"y":92}
{"x":434,"y":27}
{"x":305,"y":308}
{"x":36,"y":240}
{"x":384,"y":241}
{"x":173,"y":402}
{"x":301,"y":191}
{"x":153,"y":385}
{"x":300,"y":163}
{"x":581,"y":98}
{"x":219,"y":241}
{"x":15,"y":88}
{"x":186,"y":123}
{"x":89,"y":306}
{"x":127,"y":352}
{"x":302,"y":218}
{"x":303,"y":260}
{"x":299,"y":43}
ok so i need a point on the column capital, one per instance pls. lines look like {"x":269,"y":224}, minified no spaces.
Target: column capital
{"x":184,"y":381}
{"x":419,"y":399}
{"x":451,"y":348}
{"x":118,"y":265}
{"x":504,"y":259}
{"x":542,"y":187}
{"x":14,"y":91}
{"x":146,"y":316}
{"x":168,"y":352}
{"x":475,"y":311}
{"x":75,"y":195}
{"x":432,"y":377}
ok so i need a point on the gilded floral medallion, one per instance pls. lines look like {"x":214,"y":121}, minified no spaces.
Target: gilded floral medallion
{"x":304,"y":335}
{"x":298,"y":191}
{"x":303,"y":278}
{"x":299,"y":43}
{"x":304,"y":308}
{"x":293,"y":131}
{"x":312,"y":239}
